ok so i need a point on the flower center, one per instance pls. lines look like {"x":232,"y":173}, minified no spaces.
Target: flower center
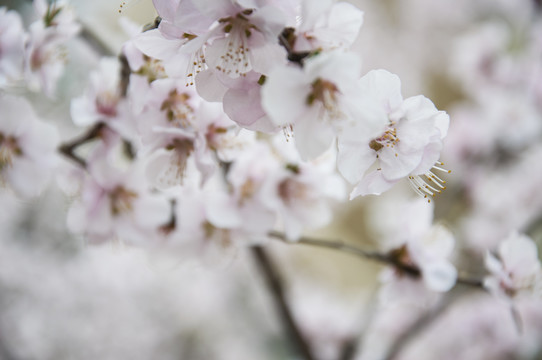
{"x":323,"y":91}
{"x":221,"y":236}
{"x":8,"y":148}
{"x":178,"y":110}
{"x":152,"y":69}
{"x":234,"y":60}
{"x":106,"y":103}
{"x":291,"y":190}
{"x":387,"y":139}
{"x":182,"y":148}
{"x":121,"y":200}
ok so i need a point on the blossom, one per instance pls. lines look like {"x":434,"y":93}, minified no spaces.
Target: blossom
{"x":516,"y":270}
{"x":327,"y":25}
{"x":318,"y":100}
{"x":45,"y":55}
{"x":117,"y":204}
{"x":103,"y":102}
{"x":224,"y":36}
{"x":11,"y":47}
{"x":27,"y":147}
{"x":407,"y":233}
{"x":302,"y":194}
{"x":409,"y":142}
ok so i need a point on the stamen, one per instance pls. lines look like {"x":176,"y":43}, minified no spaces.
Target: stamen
{"x":196,"y":65}
{"x":126,"y":5}
{"x":388,"y":139}
{"x":429,"y":184}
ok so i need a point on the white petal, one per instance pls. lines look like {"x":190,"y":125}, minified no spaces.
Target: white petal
{"x":209,"y":87}
{"x":492,"y":264}
{"x":353,"y":160}
{"x":382,"y":86}
{"x":439,"y":276}
{"x":284,"y":95}
{"x":371,"y":184}
{"x":312,"y":135}
{"x":151,"y":212}
{"x":152,"y":43}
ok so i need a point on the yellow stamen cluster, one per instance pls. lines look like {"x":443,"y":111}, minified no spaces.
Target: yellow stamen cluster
{"x":388,"y":139}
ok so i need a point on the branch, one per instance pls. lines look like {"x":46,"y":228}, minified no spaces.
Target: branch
{"x":388,"y":259}
{"x":68,"y":149}
{"x":421,"y":324}
{"x":287,"y":40}
{"x":275,"y":285}
{"x":94,"y":42}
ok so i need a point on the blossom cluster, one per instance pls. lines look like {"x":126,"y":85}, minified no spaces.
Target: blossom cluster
{"x":244,"y":118}
{"x":35,"y":58}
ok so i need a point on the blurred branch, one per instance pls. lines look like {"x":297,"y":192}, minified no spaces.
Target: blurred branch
{"x":388,"y":259}
{"x":287,"y":39}
{"x":276,"y":288}
{"x":95,"y":42}
{"x":68,"y":149}
{"x":415,"y":329}
{"x":5,"y":353}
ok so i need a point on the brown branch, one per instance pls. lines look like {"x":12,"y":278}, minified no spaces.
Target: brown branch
{"x":276,"y":288}
{"x":68,"y":149}
{"x":287,"y":40}
{"x":388,"y":259}
{"x":95,"y":42}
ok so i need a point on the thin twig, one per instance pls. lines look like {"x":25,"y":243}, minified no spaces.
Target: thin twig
{"x":277,"y":291}
{"x":388,"y":259}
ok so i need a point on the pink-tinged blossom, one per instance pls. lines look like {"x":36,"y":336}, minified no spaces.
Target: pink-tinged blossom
{"x":45,"y":54}
{"x":327,"y":25}
{"x":318,"y":100}
{"x":247,"y":177}
{"x":224,"y":36}
{"x":11,"y":47}
{"x":205,"y":226}
{"x":102,"y":101}
{"x":179,"y":124}
{"x":302,"y":194}
{"x":27,"y":147}
{"x":406,"y":232}
{"x":409,"y":142}
{"x":516,"y":270}
{"x":241,"y":99}
{"x":117,"y":204}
